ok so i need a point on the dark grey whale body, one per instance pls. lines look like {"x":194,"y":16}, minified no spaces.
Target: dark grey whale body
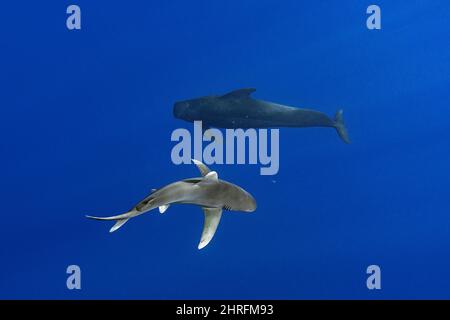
{"x":238,"y":109}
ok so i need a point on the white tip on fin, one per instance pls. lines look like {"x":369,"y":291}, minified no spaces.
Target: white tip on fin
{"x":118,"y":224}
{"x":212,"y":176}
{"x":212,"y":219}
{"x":163,"y":208}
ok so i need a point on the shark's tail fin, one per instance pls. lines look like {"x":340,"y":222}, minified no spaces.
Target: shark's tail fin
{"x":121,"y":219}
{"x":118,"y":224}
{"x":340,"y":126}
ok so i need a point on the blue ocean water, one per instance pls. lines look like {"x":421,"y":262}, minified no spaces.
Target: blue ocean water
{"x":86,"y":118}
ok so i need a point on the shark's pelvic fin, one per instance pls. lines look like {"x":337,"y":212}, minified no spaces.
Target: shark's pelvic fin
{"x":163,"y":208}
{"x":212,"y":219}
{"x":204,"y":170}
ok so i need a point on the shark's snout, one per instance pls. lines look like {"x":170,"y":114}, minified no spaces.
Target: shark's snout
{"x":180,"y":109}
{"x":250,"y":203}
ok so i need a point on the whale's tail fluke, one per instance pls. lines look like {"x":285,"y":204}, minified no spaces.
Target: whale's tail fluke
{"x":340,"y":126}
{"x":121,"y":219}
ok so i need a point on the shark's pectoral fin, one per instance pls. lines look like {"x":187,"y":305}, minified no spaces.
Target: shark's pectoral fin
{"x":163,"y":208}
{"x":204,"y":170}
{"x":212,"y":219}
{"x":240,"y":93}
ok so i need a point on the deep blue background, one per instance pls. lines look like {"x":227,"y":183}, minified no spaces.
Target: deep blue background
{"x":85,"y":124}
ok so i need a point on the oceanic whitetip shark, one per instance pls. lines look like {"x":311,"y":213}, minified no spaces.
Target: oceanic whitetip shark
{"x":208,"y":192}
{"x":237,"y":109}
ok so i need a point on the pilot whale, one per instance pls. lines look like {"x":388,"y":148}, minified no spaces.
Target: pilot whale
{"x":208,"y":192}
{"x":237,"y":109}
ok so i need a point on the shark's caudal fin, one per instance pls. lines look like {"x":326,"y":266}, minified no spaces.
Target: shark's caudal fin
{"x":340,"y":126}
{"x":118,"y":224}
{"x":121,"y":219}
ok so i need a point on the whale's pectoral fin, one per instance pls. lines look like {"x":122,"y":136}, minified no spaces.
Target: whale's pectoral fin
{"x":241,"y":93}
{"x":204,"y":170}
{"x":212,"y":219}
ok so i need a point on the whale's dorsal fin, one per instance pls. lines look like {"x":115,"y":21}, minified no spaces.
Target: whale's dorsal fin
{"x":212,"y":219}
{"x":204,"y":170}
{"x":241,"y":93}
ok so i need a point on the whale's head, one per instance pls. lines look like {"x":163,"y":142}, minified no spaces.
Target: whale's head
{"x":191,"y":110}
{"x":181,"y":109}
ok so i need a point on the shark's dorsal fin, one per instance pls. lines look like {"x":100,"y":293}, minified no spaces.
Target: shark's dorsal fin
{"x":212,"y":176}
{"x":204,"y":170}
{"x":241,"y":93}
{"x":212,"y":219}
